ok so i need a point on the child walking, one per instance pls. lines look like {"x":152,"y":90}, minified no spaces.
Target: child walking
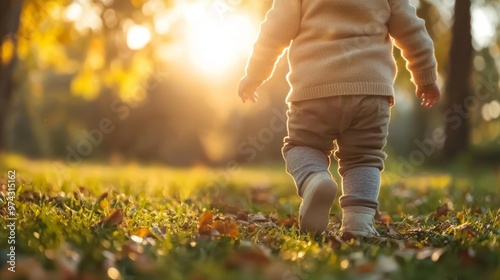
{"x":341,"y":76}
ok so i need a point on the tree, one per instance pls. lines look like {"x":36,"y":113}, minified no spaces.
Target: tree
{"x":10,"y":12}
{"x":458,"y":81}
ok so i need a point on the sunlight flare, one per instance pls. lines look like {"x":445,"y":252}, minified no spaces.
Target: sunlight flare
{"x":215,"y":43}
{"x":138,"y":37}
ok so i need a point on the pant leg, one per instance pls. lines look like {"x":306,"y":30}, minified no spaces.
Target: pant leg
{"x":309,"y":143}
{"x":360,"y":154}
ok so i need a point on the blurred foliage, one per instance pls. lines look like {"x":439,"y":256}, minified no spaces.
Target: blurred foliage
{"x":79,"y":65}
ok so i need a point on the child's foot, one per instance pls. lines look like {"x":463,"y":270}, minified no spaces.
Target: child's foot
{"x":319,"y":191}
{"x":358,"y":221}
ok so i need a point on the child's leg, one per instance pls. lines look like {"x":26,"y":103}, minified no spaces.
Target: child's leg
{"x":306,"y":152}
{"x":309,"y":168}
{"x":360,"y":187}
{"x":361,"y":160}
{"x":302,"y":162}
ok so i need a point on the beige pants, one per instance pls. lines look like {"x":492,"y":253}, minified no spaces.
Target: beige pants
{"x":355,"y":127}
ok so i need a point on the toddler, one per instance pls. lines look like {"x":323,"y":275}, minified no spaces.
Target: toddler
{"x":341,"y":76}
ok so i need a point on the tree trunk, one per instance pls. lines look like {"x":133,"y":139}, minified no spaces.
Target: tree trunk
{"x":458,"y":82}
{"x":10,"y":13}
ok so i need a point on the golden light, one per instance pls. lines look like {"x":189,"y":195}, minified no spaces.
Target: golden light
{"x":162,"y":23}
{"x":73,"y":12}
{"x":484,"y":21}
{"x":215,"y":43}
{"x":138,"y":37}
{"x":84,"y":15}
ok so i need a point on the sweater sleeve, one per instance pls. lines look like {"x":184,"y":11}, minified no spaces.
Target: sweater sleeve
{"x":410,"y":35}
{"x":279,"y":28}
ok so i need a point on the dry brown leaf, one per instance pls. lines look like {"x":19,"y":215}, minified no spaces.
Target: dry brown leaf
{"x":288,"y":222}
{"x":251,"y":228}
{"x":242,"y":216}
{"x":205,"y":223}
{"x":442,"y":211}
{"x":384,"y":218}
{"x":114,"y":219}
{"x":226,"y":227}
{"x":102,"y":196}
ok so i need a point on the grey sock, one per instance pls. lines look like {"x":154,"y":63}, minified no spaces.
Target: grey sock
{"x":360,"y":186}
{"x":302,"y":161}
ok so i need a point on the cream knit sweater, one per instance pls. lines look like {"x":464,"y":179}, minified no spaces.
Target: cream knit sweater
{"x":342,"y":47}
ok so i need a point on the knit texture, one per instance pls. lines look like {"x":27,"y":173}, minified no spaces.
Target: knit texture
{"x":339,"y":47}
{"x":360,"y":187}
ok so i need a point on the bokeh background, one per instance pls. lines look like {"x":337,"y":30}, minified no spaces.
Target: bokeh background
{"x":155,"y":81}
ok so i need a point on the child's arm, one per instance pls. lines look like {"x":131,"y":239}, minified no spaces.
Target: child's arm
{"x":276,"y":32}
{"x":410,"y":35}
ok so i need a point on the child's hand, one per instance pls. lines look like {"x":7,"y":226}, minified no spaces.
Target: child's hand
{"x":247,"y":89}
{"x":430,"y":94}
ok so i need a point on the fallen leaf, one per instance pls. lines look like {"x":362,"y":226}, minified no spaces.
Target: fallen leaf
{"x":114,"y":219}
{"x":386,"y":219}
{"x":251,"y":228}
{"x":242,"y":216}
{"x":102,"y":196}
{"x":142,"y":232}
{"x":288,"y":222}
{"x":226,"y":227}
{"x":442,"y":211}
{"x":205,"y":223}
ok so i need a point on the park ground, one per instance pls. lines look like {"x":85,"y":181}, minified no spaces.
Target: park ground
{"x":134,"y":221}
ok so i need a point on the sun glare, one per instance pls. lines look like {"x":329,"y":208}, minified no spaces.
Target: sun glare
{"x":214,"y":42}
{"x":484,"y":21}
{"x":138,"y":37}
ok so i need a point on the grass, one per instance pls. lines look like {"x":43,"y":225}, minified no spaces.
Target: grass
{"x":149,"y":222}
